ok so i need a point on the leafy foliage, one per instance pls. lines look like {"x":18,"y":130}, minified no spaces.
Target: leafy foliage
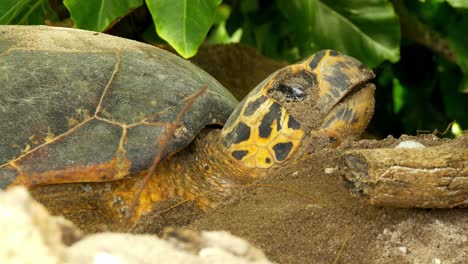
{"x":183,"y":23}
{"x":103,"y":12}
{"x":23,"y":12}
{"x":418,"y":49}
{"x":367,"y":29}
{"x":458,"y":3}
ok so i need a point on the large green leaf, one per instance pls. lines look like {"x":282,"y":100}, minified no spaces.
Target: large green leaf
{"x":458,"y":3}
{"x":454,"y":101}
{"x":183,"y":23}
{"x":219,"y":34}
{"x":97,"y":15}
{"x":457,"y":37}
{"x":366,"y":29}
{"x":23,"y":11}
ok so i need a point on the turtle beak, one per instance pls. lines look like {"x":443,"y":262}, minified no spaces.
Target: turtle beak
{"x":345,"y":94}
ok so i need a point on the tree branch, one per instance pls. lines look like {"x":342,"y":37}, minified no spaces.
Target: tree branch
{"x":415,"y":30}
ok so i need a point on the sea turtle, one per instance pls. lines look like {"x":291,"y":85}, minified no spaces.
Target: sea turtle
{"x":79,"y":108}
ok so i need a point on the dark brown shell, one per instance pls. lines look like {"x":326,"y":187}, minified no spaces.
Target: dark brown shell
{"x":78,"y":101}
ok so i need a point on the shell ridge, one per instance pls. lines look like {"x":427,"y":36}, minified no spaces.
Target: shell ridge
{"x":109,"y":83}
{"x":68,"y":132}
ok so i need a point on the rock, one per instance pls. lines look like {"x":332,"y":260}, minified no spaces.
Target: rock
{"x":28,"y":234}
{"x":209,"y":243}
{"x":178,"y":246}
{"x":410,"y":144}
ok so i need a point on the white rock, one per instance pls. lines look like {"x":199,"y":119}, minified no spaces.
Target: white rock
{"x":213,"y":247}
{"x":410,"y":144}
{"x":28,"y":234}
{"x":403,"y":250}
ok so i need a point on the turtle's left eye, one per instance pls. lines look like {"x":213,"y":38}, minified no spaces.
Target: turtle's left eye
{"x":293,"y":92}
{"x":295,"y":87}
{"x":298,"y":92}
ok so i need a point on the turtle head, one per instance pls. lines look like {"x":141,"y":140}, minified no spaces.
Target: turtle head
{"x":326,"y":95}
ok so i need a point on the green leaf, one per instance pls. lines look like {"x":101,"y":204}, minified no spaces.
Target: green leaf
{"x":222,"y":13}
{"x":457,"y":36}
{"x":450,"y":78}
{"x":463,"y":87}
{"x":456,"y":129}
{"x":219,"y":34}
{"x":23,"y":12}
{"x":458,"y":3}
{"x":366,"y":29}
{"x":249,"y":6}
{"x":97,"y":15}
{"x":183,"y":23}
{"x":399,"y":94}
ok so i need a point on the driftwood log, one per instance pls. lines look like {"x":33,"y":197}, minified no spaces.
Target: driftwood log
{"x":431,"y":177}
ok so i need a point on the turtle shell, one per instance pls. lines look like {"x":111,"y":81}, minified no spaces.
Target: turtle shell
{"x":80,"y":106}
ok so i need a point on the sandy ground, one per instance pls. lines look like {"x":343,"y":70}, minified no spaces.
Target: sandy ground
{"x":302,"y":214}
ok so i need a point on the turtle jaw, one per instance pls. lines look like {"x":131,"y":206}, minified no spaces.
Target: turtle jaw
{"x":345,"y":94}
{"x":350,"y":117}
{"x":337,"y":75}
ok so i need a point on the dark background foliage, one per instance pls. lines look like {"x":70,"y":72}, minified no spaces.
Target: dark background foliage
{"x":418,"y":48}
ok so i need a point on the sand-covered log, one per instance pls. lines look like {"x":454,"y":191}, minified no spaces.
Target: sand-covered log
{"x":431,"y":177}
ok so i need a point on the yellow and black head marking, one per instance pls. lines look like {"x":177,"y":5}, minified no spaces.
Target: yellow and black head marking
{"x":262,"y":131}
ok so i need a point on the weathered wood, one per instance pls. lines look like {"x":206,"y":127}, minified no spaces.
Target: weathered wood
{"x":432,"y":177}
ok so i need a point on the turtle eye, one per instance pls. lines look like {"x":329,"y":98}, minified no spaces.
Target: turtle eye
{"x":295,"y":87}
{"x":298,"y":92}
{"x":292,"y":93}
